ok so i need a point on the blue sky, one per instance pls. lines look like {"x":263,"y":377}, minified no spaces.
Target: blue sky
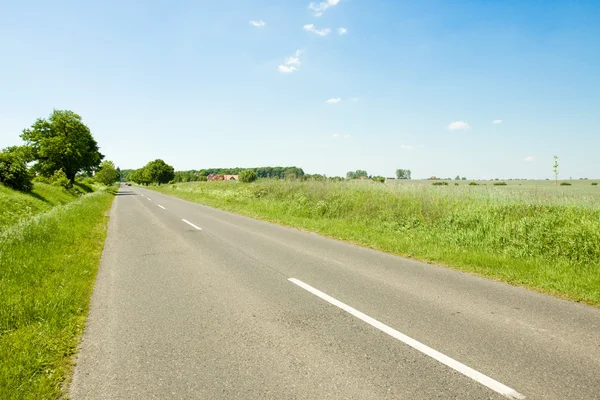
{"x":419,"y":83}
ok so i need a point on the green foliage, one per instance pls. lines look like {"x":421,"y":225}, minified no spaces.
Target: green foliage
{"x":159,"y":172}
{"x":379,"y":179}
{"x":529,"y":235}
{"x":62,"y":142}
{"x":13,"y":169}
{"x":440,"y":183}
{"x":59,"y":178}
{"x":358,"y":174}
{"x":555,"y":169}
{"x":499,"y":183}
{"x":565,"y":184}
{"x":248,"y":176}
{"x":473,"y":184}
{"x":107,"y":174}
{"x":49,"y":265}
{"x":403,"y":173}
{"x":594,"y":183}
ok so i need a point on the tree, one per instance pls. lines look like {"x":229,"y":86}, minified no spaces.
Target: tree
{"x":159,"y":172}
{"x":248,"y":176}
{"x":555,"y":169}
{"x":457,"y":178}
{"x":13,"y":169}
{"x":107,"y":174}
{"x":62,"y":142}
{"x":403,"y":173}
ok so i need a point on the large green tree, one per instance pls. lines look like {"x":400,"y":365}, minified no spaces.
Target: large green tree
{"x":62,"y":142}
{"x":159,"y":171}
{"x":107,"y":174}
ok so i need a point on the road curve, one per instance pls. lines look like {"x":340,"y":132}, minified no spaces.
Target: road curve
{"x":193,"y":302}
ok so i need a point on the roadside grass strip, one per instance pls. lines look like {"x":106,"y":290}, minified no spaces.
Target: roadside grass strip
{"x":48,"y":265}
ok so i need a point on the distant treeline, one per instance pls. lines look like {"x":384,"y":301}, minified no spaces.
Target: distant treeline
{"x":262,"y":172}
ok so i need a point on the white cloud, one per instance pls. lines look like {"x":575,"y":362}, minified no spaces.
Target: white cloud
{"x":353,"y":99}
{"x":320,"y":32}
{"x":334,"y":101}
{"x":459,"y":126}
{"x":291,"y":63}
{"x":407,"y":147}
{"x":287,"y":69}
{"x":529,"y":159}
{"x":319,"y":8}
{"x":336,"y":135}
{"x":342,"y":31}
{"x":497,"y":121}
{"x":258,"y":24}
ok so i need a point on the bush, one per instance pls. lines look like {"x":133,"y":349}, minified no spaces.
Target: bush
{"x":248,"y":176}
{"x":14,"y":172}
{"x":565,"y":184}
{"x":440,"y":183}
{"x":379,"y":179}
{"x":59,"y":178}
{"x":499,"y":183}
{"x":455,"y":183}
{"x":473,"y":184}
{"x":594,"y":183}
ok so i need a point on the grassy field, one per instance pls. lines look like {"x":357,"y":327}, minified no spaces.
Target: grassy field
{"x":50,"y":247}
{"x":528,"y":233}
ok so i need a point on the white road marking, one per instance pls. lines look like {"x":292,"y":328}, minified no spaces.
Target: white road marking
{"x":190,"y":224}
{"x":436,"y":355}
{"x":161,"y":207}
{"x":149,"y":198}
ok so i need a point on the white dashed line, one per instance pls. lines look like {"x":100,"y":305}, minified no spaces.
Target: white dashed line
{"x":190,"y":224}
{"x":149,"y":198}
{"x":161,"y":207}
{"x":436,"y":355}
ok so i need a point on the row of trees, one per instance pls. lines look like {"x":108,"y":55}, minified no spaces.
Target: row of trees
{"x":156,"y":171}
{"x":261,"y":172}
{"x":61,"y":145}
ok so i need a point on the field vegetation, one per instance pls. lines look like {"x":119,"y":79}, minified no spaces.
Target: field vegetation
{"x":528,"y":233}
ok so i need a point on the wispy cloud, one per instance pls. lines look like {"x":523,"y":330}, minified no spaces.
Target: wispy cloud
{"x":529,"y":159}
{"x":291,"y":63}
{"x":319,"y":8}
{"x":407,"y":147}
{"x":497,"y":121}
{"x":258,"y":24}
{"x":336,"y":135}
{"x":459,"y":126}
{"x":342,"y":31}
{"x":333,"y":101}
{"x":353,"y":99}
{"x":320,"y":32}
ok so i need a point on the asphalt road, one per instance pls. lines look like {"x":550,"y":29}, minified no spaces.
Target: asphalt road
{"x":226,"y":307}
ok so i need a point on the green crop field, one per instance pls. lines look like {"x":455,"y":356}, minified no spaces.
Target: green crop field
{"x":528,"y":233}
{"x":50,"y":246}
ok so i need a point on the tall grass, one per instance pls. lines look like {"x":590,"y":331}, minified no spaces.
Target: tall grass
{"x":541,"y":238}
{"x":48,"y":265}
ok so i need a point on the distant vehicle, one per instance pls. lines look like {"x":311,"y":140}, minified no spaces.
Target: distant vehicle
{"x":127,"y":183}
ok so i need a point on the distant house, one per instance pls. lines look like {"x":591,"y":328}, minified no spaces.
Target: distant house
{"x":217,"y":177}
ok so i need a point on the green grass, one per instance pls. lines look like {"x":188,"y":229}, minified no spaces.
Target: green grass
{"x":48,"y":265}
{"x":17,"y":206}
{"x":528,"y":233}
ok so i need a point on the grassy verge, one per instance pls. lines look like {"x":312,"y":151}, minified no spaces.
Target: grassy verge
{"x":545,"y":239}
{"x":17,"y":206}
{"x":48,"y":265}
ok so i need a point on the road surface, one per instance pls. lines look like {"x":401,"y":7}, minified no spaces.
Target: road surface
{"x":196,"y":303}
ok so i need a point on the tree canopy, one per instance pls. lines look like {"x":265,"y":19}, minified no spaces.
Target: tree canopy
{"x":156,"y":171}
{"x":107,"y":174}
{"x":403,"y":173}
{"x":62,"y":142}
{"x":13,"y":169}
